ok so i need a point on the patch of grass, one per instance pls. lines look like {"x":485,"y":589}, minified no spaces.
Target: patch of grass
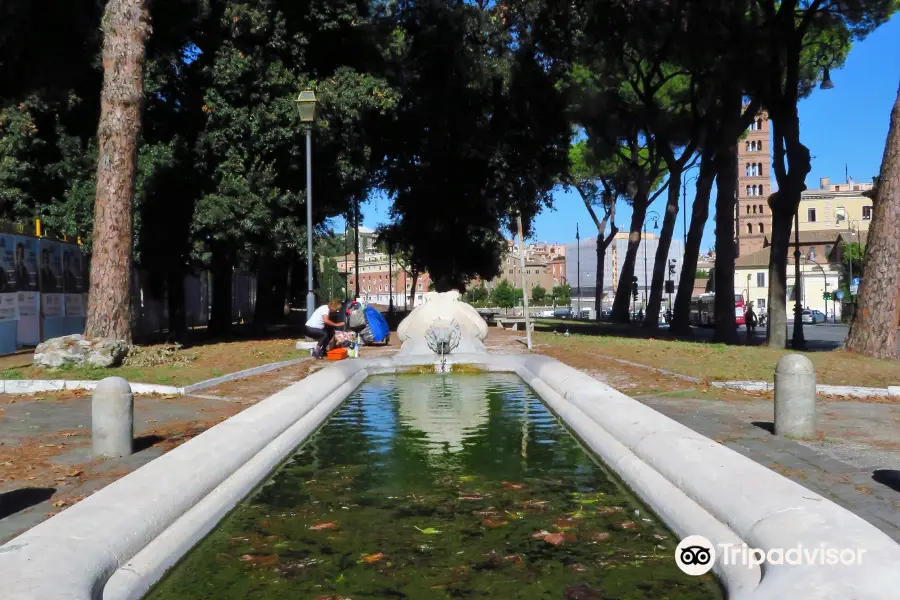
{"x":12,"y":374}
{"x":209,"y":360}
{"x":721,"y":362}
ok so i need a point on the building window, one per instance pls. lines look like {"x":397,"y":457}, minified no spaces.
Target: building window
{"x":761,"y":304}
{"x":749,"y":228}
{"x":811,"y":215}
{"x":759,"y":169}
{"x":754,"y":209}
{"x":760,"y":209}
{"x":748,"y":209}
{"x":867,"y":213}
{"x":762,"y":192}
{"x":761,"y":280}
{"x":748,"y":190}
{"x":747,"y":146}
{"x":759,"y":124}
{"x":762,"y":228}
{"x":828,"y":248}
{"x":420,"y":287}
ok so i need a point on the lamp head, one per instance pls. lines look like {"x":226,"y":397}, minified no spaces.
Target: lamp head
{"x":827,"y":83}
{"x":306,"y":106}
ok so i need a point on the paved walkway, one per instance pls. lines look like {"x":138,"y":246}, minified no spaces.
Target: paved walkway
{"x":855,"y":463}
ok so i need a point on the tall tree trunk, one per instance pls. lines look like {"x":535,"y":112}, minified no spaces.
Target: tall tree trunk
{"x":412,"y":290}
{"x":621,"y":311}
{"x":699,"y":216}
{"x":726,"y":188}
{"x":874,"y":329}
{"x":661,"y":259}
{"x":126,"y":27}
{"x":783,"y":205}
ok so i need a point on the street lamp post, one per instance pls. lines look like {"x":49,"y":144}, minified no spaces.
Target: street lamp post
{"x":812,"y":259}
{"x":655,"y":216}
{"x":578,"y":266}
{"x":799,"y":341}
{"x":306,"y":106}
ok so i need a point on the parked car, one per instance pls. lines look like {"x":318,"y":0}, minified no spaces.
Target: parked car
{"x":812,"y":316}
{"x":565,"y":312}
{"x":546,"y":314}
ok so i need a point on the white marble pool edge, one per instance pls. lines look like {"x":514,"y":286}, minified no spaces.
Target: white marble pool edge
{"x":118,"y":542}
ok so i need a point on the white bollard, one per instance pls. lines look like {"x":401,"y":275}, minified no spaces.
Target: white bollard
{"x":795,"y":397}
{"x":112,"y":418}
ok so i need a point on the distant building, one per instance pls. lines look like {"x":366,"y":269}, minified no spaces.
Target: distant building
{"x":840,"y":206}
{"x":615,"y":256}
{"x":753,"y":219}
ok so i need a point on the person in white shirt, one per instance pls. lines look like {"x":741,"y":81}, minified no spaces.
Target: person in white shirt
{"x":320,"y":326}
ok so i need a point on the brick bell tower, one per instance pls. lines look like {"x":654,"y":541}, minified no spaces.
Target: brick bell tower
{"x":753,"y":220}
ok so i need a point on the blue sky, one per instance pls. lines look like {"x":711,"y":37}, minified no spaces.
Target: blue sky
{"x":846,"y":125}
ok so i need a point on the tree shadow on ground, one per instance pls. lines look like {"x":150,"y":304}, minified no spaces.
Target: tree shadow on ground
{"x":888,"y":477}
{"x":18,"y":500}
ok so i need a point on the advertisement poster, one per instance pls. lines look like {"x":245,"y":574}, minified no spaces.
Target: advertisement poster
{"x":9,"y":307}
{"x":28,"y":304}
{"x":7,"y":263}
{"x":72,"y":270}
{"x":25,"y":263}
{"x":53,"y":305}
{"x":75,"y":305}
{"x":51,"y":267}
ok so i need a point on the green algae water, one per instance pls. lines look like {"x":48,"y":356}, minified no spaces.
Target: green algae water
{"x":443,"y":487}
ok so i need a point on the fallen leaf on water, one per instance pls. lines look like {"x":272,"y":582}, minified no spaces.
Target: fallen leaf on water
{"x":471,"y":497}
{"x":608,"y":510}
{"x":371,"y":559}
{"x":323,"y":526}
{"x":599,"y":536}
{"x":516,"y":558}
{"x":493,"y":522}
{"x":628,"y":525}
{"x":512,"y":486}
{"x":427,"y":531}
{"x":578,"y":567}
{"x":246,"y":557}
{"x":564,"y":523}
{"x":554,"y":538}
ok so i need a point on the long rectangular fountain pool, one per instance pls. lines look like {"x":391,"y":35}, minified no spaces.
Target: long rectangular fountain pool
{"x":424,"y":486}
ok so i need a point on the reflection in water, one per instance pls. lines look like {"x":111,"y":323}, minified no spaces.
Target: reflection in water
{"x":447,"y":409}
{"x":437,"y":487}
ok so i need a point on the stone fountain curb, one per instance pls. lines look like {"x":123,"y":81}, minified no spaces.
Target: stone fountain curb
{"x":33,"y":386}
{"x":119,"y":541}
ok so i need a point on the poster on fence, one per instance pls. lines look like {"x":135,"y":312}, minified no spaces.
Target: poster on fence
{"x":25,"y":265}
{"x":7,"y":264}
{"x":51,"y":267}
{"x":75,"y":305}
{"x":72,"y":270}
{"x":53,"y":305}
{"x":9,"y":307}
{"x":28,"y":304}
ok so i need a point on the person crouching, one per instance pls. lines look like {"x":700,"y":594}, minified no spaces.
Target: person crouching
{"x":320,"y":326}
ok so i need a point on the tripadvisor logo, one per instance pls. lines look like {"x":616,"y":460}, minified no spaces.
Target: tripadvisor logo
{"x":696,"y":555}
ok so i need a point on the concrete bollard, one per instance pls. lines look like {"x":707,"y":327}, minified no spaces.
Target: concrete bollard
{"x":795,"y":397}
{"x":112,"y":418}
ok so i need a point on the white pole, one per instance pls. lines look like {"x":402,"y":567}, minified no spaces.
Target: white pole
{"x":524,"y":290}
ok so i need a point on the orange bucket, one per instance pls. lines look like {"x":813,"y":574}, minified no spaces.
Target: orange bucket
{"x":337,"y":354}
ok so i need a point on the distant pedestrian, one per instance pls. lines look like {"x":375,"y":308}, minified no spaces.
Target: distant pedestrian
{"x":750,"y":320}
{"x":640,"y":314}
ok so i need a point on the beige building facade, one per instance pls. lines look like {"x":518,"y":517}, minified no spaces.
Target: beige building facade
{"x":841,"y":207}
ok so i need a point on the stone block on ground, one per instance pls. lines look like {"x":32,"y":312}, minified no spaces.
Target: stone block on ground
{"x":75,"y":350}
{"x":304,"y":345}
